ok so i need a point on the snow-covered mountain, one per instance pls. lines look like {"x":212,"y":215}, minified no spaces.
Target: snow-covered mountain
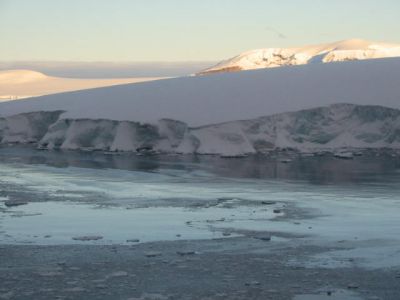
{"x":325,"y":128}
{"x":354,"y":49}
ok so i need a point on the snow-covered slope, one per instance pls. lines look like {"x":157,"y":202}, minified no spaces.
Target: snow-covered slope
{"x":334,"y":127}
{"x":354,"y":49}
{"x":203,"y":100}
{"x":17,"y":84}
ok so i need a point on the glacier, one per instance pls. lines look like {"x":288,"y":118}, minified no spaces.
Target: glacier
{"x":203,"y":100}
{"x":230,"y":114}
{"x":333,"y":127}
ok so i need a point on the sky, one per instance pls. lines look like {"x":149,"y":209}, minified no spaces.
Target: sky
{"x":183,"y":30}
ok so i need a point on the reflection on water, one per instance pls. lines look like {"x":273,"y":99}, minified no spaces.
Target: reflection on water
{"x":315,"y":170}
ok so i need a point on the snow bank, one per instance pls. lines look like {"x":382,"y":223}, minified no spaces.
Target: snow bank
{"x":325,"y":128}
{"x":226,"y":97}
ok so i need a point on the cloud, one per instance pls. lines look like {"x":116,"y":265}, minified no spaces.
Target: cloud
{"x":277,"y":32}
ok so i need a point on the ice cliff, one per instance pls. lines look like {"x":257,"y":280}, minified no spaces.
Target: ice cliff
{"x":323,"y":128}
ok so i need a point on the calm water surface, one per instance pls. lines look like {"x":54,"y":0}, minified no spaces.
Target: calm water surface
{"x":125,"y":196}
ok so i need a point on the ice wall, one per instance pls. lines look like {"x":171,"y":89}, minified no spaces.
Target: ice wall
{"x":324,"y":128}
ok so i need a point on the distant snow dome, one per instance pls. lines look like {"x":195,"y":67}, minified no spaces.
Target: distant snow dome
{"x":353,"y":49}
{"x":19,"y":84}
{"x":20,"y":76}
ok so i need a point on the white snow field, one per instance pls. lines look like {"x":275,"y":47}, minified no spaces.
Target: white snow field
{"x":18,"y":84}
{"x":354,"y":49}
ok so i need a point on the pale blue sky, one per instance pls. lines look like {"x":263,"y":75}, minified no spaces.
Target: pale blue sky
{"x":183,"y":30}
